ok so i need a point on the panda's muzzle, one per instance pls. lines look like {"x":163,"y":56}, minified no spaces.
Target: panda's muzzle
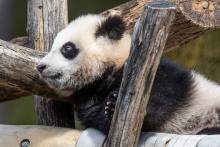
{"x":41,"y":69}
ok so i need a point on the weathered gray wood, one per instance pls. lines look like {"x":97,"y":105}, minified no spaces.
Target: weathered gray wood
{"x":18,"y":71}
{"x":45,"y":19}
{"x":22,"y":41}
{"x":148,"y":41}
{"x":8,"y":92}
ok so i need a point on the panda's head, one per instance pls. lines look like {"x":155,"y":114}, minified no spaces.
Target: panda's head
{"x":83,"y":51}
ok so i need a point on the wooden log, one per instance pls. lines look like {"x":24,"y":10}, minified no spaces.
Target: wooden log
{"x":193,"y":18}
{"x":18,"y":73}
{"x":18,"y":70}
{"x":37,"y":136}
{"x":45,"y":19}
{"x":148,"y":41}
{"x":14,"y":92}
{"x":22,"y":41}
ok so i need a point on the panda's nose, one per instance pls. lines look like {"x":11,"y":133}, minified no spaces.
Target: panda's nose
{"x":41,"y":67}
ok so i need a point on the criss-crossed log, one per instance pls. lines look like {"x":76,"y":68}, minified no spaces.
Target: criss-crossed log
{"x":193,"y":18}
{"x":45,"y":19}
{"x":148,"y":42}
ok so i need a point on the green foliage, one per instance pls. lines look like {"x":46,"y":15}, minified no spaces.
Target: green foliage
{"x":20,"y":111}
{"x":202,"y":54}
{"x":80,"y":7}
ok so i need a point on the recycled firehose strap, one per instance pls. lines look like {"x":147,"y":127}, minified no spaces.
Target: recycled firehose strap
{"x":91,"y":138}
{"x":94,"y":138}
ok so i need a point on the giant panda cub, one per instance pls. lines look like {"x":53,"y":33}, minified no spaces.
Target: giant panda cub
{"x":86,"y":62}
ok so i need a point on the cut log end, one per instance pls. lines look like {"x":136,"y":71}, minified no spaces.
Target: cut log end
{"x":205,"y":13}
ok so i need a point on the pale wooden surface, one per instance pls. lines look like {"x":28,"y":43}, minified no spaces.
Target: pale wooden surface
{"x":148,"y":41}
{"x":38,"y":136}
{"x":45,"y":19}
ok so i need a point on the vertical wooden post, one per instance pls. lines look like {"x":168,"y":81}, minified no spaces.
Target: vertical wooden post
{"x":45,"y":19}
{"x":148,"y":41}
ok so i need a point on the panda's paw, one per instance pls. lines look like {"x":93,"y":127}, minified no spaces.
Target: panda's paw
{"x":110,"y":104}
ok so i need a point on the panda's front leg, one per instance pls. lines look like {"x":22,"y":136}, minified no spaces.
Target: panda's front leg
{"x":98,"y":114}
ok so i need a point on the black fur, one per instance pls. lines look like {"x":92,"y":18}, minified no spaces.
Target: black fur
{"x":113,"y":27}
{"x":169,"y":93}
{"x":90,"y":101}
{"x":69,"y":50}
{"x":210,"y":131}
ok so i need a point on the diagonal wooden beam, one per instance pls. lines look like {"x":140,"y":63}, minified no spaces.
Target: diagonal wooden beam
{"x":148,"y":42}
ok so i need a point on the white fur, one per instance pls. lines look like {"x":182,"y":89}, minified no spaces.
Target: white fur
{"x":94,"y":53}
{"x":202,"y":110}
{"x":206,"y":92}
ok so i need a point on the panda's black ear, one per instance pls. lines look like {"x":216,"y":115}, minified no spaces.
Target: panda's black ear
{"x":113,"y":27}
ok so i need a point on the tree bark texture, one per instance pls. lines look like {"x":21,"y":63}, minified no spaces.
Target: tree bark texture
{"x":148,"y":41}
{"x":45,"y":19}
{"x":193,"y":18}
{"x":18,"y":71}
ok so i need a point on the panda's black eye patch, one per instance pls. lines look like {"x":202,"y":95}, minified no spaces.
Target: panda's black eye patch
{"x":69,"y":50}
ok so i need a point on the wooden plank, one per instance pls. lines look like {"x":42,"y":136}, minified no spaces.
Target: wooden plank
{"x":37,"y":136}
{"x":45,"y":19}
{"x":148,"y":41}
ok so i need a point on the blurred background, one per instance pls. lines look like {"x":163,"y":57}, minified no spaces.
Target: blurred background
{"x":202,"y":54}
